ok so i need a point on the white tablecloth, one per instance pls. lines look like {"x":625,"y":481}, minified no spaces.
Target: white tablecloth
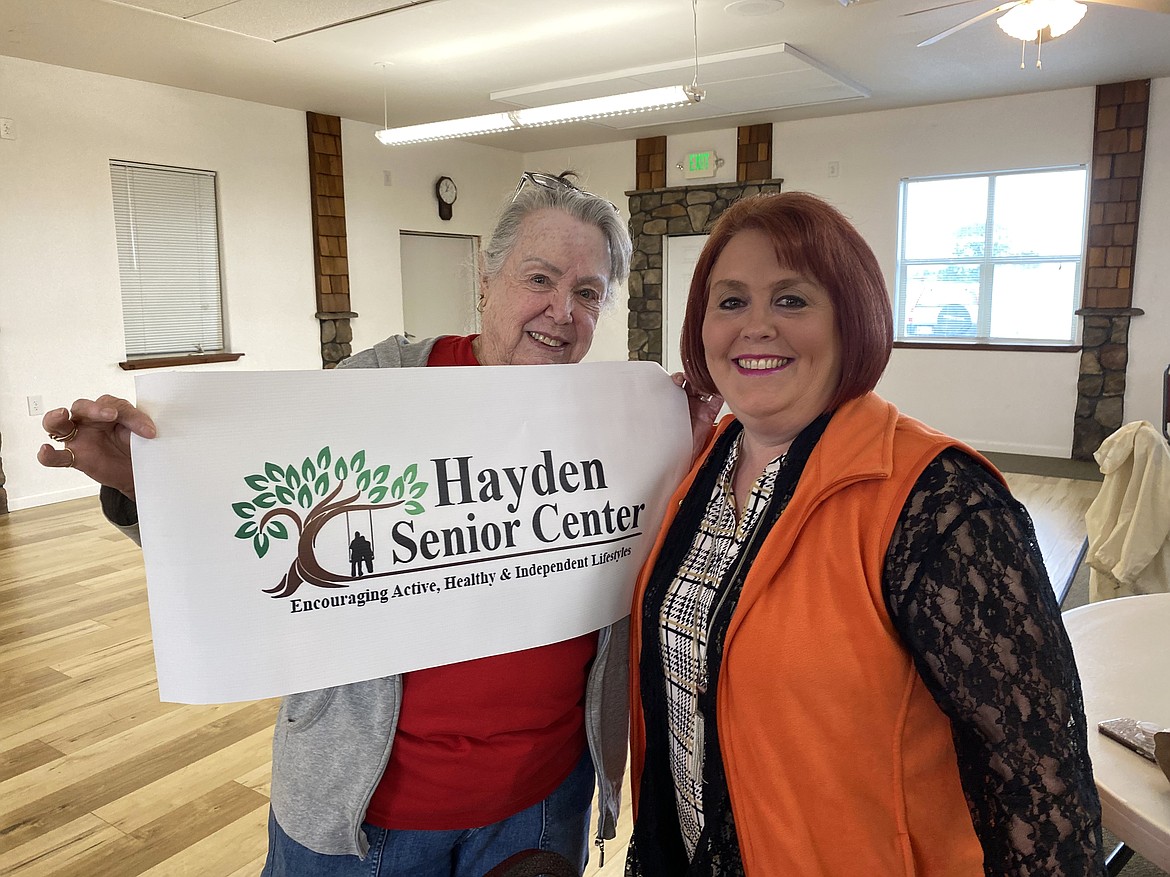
{"x":1122,"y":649}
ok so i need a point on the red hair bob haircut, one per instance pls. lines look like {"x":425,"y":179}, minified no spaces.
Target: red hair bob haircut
{"x":815,"y":239}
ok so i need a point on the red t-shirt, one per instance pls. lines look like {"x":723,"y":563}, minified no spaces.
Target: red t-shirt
{"x":481,"y":740}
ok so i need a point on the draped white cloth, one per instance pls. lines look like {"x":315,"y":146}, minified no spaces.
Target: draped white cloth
{"x":1129,"y":521}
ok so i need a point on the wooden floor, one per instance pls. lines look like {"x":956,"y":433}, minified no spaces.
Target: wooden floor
{"x":1057,"y":507}
{"x":98,"y":778}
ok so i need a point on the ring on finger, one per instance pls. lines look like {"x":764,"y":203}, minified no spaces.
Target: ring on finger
{"x":68,"y":437}
{"x":72,"y":457}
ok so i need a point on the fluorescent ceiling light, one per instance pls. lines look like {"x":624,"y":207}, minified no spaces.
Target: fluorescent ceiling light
{"x":447,"y":130}
{"x":614,"y":105}
{"x":556,"y":114}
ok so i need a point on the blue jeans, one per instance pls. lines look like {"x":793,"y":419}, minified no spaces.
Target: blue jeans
{"x":559,"y":823}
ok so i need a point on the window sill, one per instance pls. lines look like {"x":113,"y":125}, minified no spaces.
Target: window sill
{"x":955,"y":344}
{"x":181,"y":359}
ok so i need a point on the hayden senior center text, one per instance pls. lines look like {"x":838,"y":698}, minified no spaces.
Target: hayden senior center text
{"x":554,"y":523}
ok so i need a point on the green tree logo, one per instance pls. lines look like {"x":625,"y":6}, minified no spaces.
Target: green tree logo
{"x":308,"y":496}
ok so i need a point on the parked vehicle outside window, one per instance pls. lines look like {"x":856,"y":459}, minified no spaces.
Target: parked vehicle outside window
{"x":942,"y":312}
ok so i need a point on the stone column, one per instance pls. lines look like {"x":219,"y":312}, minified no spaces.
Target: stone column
{"x":330,"y":253}
{"x":650,"y":163}
{"x":1119,"y":140}
{"x":654,"y":214}
{"x":753,"y":160}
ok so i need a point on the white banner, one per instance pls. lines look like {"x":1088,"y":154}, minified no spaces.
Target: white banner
{"x":309,"y":529}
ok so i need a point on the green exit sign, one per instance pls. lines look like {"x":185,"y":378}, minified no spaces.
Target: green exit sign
{"x":700,"y":164}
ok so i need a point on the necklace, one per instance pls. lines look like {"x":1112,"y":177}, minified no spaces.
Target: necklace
{"x":727,"y":584}
{"x":702,"y":677}
{"x":701,"y":645}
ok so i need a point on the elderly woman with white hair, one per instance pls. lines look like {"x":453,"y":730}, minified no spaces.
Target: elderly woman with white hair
{"x":450,"y":770}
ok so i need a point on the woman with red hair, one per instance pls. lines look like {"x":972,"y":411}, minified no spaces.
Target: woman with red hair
{"x":848,"y":657}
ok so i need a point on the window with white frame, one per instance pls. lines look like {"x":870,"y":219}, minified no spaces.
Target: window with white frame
{"x":168,"y":256}
{"x":991,"y":258}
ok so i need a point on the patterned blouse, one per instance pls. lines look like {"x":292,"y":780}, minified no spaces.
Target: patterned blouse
{"x":684,"y":627}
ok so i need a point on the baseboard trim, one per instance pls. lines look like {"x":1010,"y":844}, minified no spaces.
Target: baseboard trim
{"x":39,"y":499}
{"x":1054,"y":467}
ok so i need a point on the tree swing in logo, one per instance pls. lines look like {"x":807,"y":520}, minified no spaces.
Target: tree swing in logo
{"x":308,"y":496}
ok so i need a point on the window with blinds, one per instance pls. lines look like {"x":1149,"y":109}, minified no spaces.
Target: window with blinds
{"x":168,"y":257}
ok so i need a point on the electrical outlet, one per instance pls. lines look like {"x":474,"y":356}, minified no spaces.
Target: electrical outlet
{"x":7,"y":129}
{"x":834,"y":169}
{"x":36,"y":406}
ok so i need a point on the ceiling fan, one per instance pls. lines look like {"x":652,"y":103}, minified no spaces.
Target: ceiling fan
{"x":1029,"y":19}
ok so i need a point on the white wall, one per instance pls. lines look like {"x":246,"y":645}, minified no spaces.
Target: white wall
{"x":724,"y":143}
{"x":376,"y":213}
{"x":1020,"y":402}
{"x":1029,"y":397}
{"x":60,"y":325}
{"x":60,"y":312}
{"x":60,"y":305}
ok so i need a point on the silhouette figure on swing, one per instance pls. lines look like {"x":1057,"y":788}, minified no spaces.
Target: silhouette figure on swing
{"x":360,"y":552}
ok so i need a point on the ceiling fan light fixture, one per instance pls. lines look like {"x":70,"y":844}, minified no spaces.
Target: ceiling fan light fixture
{"x":1024,"y":21}
{"x":1064,"y":16}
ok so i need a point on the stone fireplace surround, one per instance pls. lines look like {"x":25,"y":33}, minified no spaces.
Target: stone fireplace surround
{"x":655,"y":214}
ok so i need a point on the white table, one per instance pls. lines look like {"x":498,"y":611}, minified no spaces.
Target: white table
{"x":1122,"y":649}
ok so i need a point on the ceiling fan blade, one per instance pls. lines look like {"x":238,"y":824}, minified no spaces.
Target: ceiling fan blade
{"x":1162,"y":6}
{"x":1003,"y":7}
{"x":936,"y":8}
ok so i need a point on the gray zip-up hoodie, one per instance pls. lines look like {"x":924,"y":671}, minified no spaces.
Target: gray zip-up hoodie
{"x":331,"y":746}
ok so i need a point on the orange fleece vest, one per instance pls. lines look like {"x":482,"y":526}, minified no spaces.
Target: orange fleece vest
{"x":837,"y":758}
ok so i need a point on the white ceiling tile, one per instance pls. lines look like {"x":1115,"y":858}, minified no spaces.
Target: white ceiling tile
{"x":272,"y":19}
{"x":445,"y":57}
{"x":177,"y":8}
{"x":748,"y":81}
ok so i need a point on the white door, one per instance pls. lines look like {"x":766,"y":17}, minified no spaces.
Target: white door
{"x":438,"y":284}
{"x":680,"y":253}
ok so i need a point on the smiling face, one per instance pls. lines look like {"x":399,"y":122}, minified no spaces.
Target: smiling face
{"x":542,"y":305}
{"x":770,"y":339}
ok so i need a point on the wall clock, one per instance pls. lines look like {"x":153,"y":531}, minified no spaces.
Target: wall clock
{"x":445,"y":195}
